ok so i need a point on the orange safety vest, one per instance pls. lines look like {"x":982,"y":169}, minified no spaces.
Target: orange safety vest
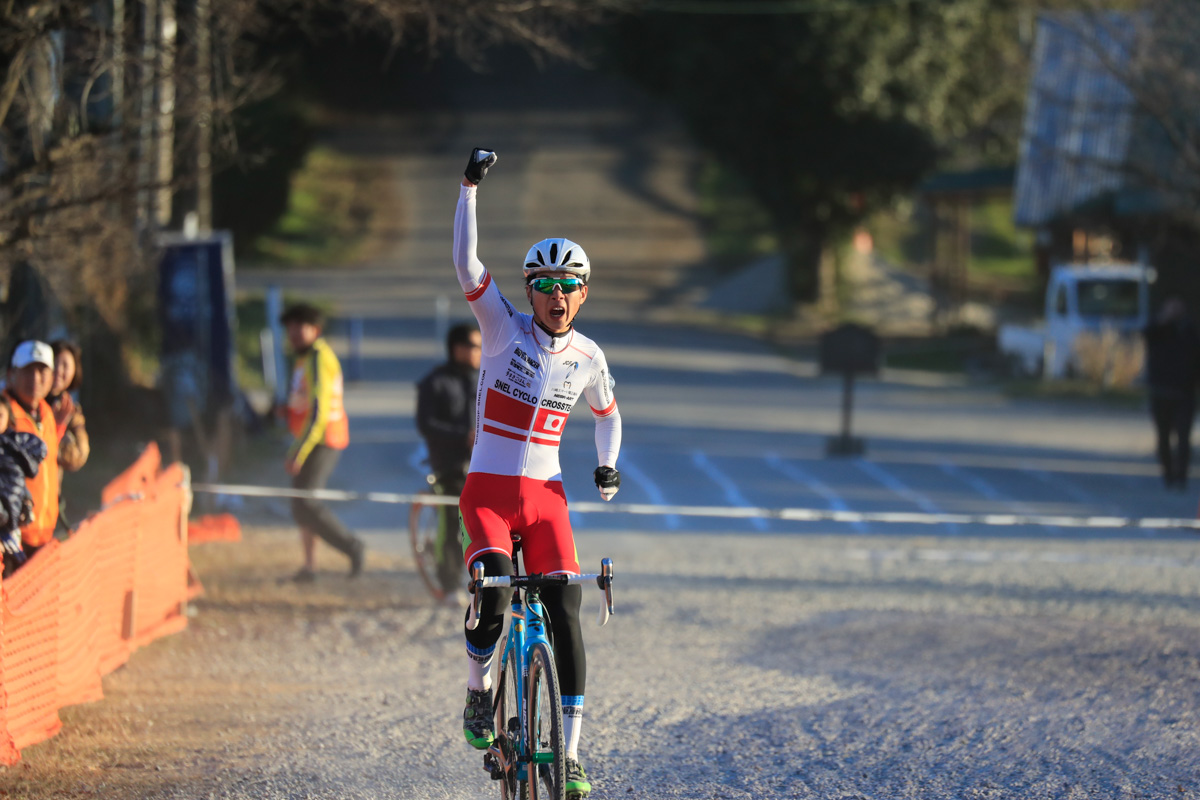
{"x":315,"y":411}
{"x":43,"y":487}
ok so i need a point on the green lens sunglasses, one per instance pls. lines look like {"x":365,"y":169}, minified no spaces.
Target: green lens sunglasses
{"x":546,"y":285}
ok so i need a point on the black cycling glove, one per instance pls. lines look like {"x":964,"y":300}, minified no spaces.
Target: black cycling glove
{"x":608,"y":480}
{"x":478,"y":164}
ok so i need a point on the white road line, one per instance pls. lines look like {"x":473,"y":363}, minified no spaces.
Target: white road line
{"x":896,"y":485}
{"x":799,"y":475}
{"x":647,"y":484}
{"x":1018,"y":557}
{"x":951,"y":521}
{"x":732,"y":493}
{"x":987,"y":490}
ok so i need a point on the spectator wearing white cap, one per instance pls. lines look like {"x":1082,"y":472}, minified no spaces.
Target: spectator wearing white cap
{"x":30,"y":378}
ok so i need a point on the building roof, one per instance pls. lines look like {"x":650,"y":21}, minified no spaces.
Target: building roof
{"x":1079,"y":117}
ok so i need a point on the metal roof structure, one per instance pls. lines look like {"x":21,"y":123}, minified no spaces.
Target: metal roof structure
{"x":1081,"y":123}
{"x":1086,"y":145}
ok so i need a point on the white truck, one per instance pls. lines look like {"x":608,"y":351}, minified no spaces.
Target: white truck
{"x":1080,"y":298}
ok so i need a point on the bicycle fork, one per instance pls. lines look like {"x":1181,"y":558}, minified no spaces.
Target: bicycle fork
{"x":516,"y":652}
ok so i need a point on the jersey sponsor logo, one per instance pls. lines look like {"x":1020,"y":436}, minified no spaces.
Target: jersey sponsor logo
{"x":525,"y":357}
{"x":518,"y":379}
{"x":507,"y":307}
{"x":548,"y":403}
{"x":517,"y":365}
{"x":572,"y":368}
{"x":570,"y":397}
{"x":517,"y":393}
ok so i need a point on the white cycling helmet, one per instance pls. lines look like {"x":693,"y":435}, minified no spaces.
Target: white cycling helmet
{"x":557,"y":255}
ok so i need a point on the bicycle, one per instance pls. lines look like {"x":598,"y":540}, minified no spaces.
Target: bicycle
{"x":428,"y":524}
{"x":527,"y":705}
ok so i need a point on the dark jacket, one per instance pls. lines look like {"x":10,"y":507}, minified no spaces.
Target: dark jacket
{"x":446,"y":417}
{"x":1172,"y":357}
{"x":20,"y":455}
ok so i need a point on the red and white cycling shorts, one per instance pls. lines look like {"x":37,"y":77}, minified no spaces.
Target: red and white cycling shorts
{"x":494,"y":508}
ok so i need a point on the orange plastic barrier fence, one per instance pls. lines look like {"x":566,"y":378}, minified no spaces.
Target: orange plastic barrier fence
{"x":214,"y":528}
{"x":79,"y":608}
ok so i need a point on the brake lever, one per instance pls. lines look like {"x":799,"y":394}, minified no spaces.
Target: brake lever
{"x":604,"y":581}
{"x":476,"y":589}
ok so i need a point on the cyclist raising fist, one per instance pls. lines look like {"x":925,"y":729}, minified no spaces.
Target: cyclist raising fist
{"x":535,"y":367}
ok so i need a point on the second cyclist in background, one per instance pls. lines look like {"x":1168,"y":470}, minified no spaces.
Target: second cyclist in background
{"x":446,"y":420}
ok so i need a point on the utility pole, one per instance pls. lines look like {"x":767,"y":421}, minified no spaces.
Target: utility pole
{"x":165,"y":174}
{"x":146,"y":172}
{"x":118,"y":63}
{"x":204,"y":112}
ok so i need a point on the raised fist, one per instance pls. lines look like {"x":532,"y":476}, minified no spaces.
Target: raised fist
{"x":481,"y":160}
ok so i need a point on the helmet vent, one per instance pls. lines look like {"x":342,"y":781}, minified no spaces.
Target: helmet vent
{"x":554,"y":252}
{"x":567,"y":259}
{"x":540,"y":259}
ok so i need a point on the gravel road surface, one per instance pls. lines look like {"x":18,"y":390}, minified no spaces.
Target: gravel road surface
{"x":738,"y":666}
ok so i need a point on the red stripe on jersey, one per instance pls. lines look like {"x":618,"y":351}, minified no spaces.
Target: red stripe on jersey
{"x":520,"y":437}
{"x":478,"y":291}
{"x":507,"y":410}
{"x":611,"y":408}
{"x":547,"y":442}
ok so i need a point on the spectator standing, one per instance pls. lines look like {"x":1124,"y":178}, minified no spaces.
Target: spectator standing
{"x":317,"y":419}
{"x":30,"y":378}
{"x":20,"y":455}
{"x":446,"y":420}
{"x":74,"y":446}
{"x":1172,"y":369}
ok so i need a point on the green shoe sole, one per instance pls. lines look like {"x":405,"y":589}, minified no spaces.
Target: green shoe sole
{"x":479,"y":742}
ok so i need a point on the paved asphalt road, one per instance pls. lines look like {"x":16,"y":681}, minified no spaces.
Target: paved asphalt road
{"x":762,"y":658}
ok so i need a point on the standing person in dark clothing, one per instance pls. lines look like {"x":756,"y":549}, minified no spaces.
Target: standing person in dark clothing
{"x":1172,"y":369}
{"x":446,"y":419}
{"x":317,"y":418}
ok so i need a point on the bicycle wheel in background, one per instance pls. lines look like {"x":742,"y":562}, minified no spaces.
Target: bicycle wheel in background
{"x":508,"y":725}
{"x":423,"y":522}
{"x":545,"y":733}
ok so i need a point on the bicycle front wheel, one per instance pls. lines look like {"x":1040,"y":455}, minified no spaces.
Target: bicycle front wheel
{"x":423,"y":528}
{"x":508,"y":726}
{"x":544,"y":735}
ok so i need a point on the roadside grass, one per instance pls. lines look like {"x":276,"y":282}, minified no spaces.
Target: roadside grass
{"x":1001,"y":253}
{"x":334,"y":202}
{"x":737,"y":228}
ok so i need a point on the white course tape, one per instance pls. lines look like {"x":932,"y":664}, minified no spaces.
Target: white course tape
{"x":733,"y":512}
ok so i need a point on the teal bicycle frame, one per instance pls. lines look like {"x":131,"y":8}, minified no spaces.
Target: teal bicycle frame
{"x":509,"y":758}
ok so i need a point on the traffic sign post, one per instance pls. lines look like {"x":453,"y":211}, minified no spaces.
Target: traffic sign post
{"x":850,"y":350}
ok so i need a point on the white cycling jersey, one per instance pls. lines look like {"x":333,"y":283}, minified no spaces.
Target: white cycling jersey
{"x":528,"y":379}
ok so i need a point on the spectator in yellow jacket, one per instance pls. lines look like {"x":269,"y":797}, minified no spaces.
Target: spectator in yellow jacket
{"x":316,"y":417}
